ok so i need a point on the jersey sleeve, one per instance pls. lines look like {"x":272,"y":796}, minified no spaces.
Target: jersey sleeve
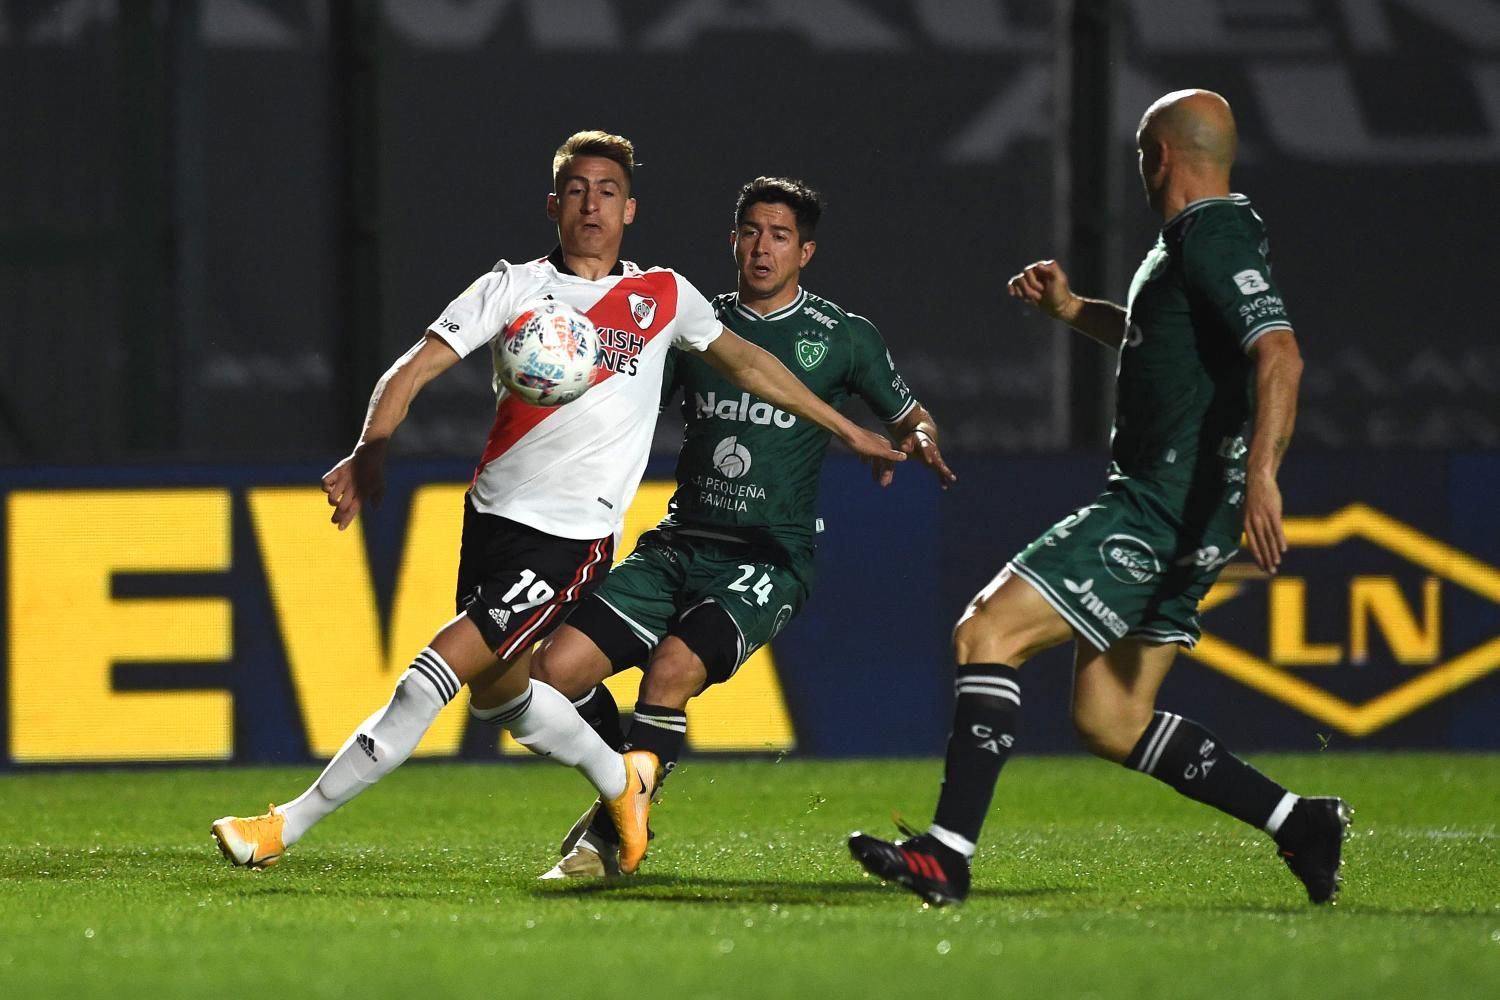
{"x":472,"y":320}
{"x":1229,"y":267}
{"x":697,"y":326}
{"x":668,"y":380}
{"x":874,"y":377}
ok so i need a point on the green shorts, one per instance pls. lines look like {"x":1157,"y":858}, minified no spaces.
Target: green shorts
{"x":670,"y":574}
{"x":1127,"y":565}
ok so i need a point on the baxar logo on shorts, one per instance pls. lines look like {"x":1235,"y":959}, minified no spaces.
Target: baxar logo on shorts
{"x":1357,"y":650}
{"x":1128,"y":559}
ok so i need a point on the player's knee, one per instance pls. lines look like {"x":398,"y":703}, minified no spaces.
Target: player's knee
{"x":674,"y":675}
{"x":969,"y":637}
{"x":1008,"y":624}
{"x":567,"y":666}
{"x":1109,"y":732}
{"x":980,"y":638}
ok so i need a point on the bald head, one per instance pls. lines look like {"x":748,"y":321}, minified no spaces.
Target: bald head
{"x":1197,"y":125}
{"x":1187,"y":141}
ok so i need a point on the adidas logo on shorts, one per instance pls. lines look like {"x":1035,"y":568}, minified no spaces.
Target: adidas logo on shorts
{"x":500,"y":615}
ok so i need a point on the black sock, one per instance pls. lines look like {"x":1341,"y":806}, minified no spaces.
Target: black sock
{"x":660,"y":730}
{"x":984,"y":730}
{"x":599,"y":710}
{"x":1188,"y":757}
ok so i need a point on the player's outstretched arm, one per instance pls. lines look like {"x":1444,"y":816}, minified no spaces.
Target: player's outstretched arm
{"x":359,"y":477}
{"x":759,"y":373}
{"x":916,"y":434}
{"x":1278,"y":371}
{"x":1045,"y":286}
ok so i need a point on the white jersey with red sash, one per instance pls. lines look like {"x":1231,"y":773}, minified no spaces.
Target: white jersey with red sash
{"x":572,"y":470}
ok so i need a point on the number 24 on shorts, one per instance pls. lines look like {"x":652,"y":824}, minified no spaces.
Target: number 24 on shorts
{"x":761,"y":588}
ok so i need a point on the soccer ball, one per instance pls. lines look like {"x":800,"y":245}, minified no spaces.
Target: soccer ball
{"x":547,"y":353}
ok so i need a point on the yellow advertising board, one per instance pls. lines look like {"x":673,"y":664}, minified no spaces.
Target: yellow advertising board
{"x":69,"y":630}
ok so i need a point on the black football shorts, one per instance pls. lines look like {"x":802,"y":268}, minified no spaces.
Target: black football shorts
{"x":516,"y":584}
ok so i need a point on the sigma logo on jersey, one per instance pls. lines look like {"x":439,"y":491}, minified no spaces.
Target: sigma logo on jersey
{"x":811,"y":350}
{"x":742,"y":410}
{"x":1262,"y":307}
{"x":1250,"y":282}
{"x":618,"y":349}
{"x":1128,"y":559}
{"x":731,"y":458}
{"x":642,"y":310}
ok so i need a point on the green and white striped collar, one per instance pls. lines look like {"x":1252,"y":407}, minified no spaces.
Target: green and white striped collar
{"x":784,"y":312}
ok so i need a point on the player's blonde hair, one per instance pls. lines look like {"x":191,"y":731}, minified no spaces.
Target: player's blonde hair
{"x":593,"y":142}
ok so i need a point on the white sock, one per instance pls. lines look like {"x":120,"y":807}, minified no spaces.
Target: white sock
{"x":545,"y":722}
{"x":963,"y":845}
{"x":378,"y":746}
{"x":1280,"y":813}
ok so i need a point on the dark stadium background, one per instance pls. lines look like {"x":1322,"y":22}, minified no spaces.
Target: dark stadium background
{"x":220,"y":221}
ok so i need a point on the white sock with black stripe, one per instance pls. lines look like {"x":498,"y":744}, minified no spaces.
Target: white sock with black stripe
{"x":545,"y":722}
{"x":378,"y":746}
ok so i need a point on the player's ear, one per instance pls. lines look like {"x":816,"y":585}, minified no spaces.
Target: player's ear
{"x":629,"y":211}
{"x":809,"y":248}
{"x":1157,"y":155}
{"x":552,"y":206}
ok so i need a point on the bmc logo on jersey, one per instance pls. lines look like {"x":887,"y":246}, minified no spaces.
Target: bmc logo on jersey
{"x":1251,"y":282}
{"x":642,"y":310}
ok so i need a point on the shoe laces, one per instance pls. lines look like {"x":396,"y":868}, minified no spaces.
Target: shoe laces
{"x":907,"y":830}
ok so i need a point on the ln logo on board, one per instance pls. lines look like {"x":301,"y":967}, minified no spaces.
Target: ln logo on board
{"x":1368,"y":650}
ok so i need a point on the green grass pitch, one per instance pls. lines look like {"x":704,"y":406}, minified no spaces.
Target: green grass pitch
{"x":1091,"y":882}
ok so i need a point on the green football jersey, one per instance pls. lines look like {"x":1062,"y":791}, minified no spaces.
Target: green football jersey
{"x":750,"y":470}
{"x":1185,"y":384}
